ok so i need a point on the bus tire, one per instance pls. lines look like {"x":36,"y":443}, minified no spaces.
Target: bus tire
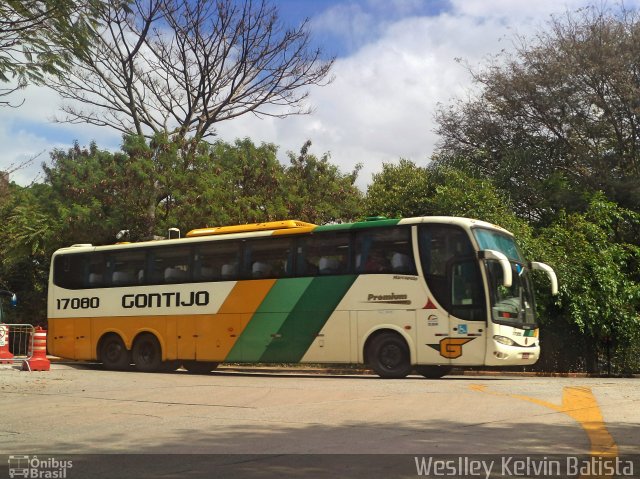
{"x":388,"y":355}
{"x":146,"y":353}
{"x":200,"y":367}
{"x":433,"y":372}
{"x":113,"y":353}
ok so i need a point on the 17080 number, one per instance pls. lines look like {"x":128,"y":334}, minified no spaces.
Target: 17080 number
{"x":78,"y":303}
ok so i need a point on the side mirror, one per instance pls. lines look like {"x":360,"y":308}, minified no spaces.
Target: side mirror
{"x":507,"y":275}
{"x":552,"y":275}
{"x":14,"y":300}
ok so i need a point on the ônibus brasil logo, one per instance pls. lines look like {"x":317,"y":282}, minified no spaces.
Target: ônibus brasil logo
{"x":33,"y":467}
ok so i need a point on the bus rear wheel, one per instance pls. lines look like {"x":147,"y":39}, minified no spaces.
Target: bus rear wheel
{"x":200,"y":367}
{"x":433,"y":372}
{"x":113,"y":353}
{"x":388,"y":355}
{"x":147,"y":354}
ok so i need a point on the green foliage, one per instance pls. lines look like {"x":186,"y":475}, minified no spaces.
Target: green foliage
{"x":406,"y":190}
{"x":399,"y":191}
{"x":598,"y":291}
{"x":318,"y":192}
{"x":40,"y":37}
{"x":29,"y":239}
{"x":251,"y":183}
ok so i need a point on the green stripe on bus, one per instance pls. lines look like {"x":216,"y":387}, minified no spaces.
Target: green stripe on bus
{"x":358,"y":225}
{"x":374,"y":224}
{"x":340,"y":227}
{"x":268,"y":319}
{"x":307,"y":318}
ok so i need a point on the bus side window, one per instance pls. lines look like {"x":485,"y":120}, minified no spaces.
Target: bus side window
{"x":127,"y":267}
{"x":324,"y":254}
{"x":384,"y":250}
{"x":170,"y":265}
{"x":70,"y":270}
{"x":217,"y":261}
{"x":268,"y":258}
{"x":444,"y":254}
{"x":97,"y":270}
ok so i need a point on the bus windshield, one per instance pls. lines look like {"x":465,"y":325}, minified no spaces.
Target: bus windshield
{"x":505,"y":244}
{"x":513,"y":305}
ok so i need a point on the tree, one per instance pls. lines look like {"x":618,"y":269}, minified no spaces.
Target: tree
{"x":39,"y":38}
{"x":145,"y":188}
{"x":599,"y":294}
{"x":152,"y":185}
{"x":405,"y":190}
{"x":182,"y":66}
{"x":558,"y":119}
{"x":316,"y":191}
{"x":30,"y":236}
{"x":399,"y":191}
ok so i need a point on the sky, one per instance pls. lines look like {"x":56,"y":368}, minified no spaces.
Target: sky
{"x":395,"y":63}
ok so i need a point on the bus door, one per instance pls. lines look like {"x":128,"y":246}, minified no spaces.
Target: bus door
{"x":453,"y":323}
{"x":467,"y":313}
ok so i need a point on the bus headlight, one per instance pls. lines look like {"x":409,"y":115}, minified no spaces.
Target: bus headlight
{"x":504,"y":340}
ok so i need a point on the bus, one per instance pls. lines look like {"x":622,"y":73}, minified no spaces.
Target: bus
{"x":420,"y":295}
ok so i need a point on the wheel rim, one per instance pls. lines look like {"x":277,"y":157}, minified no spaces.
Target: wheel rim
{"x":147,"y":353}
{"x":391,"y":356}
{"x":113,"y":351}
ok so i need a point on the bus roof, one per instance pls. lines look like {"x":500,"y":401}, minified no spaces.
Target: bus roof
{"x":271,"y":225}
{"x":290,"y":227}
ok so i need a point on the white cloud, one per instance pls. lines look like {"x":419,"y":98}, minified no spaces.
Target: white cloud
{"x":28,"y":132}
{"x":382,"y":103}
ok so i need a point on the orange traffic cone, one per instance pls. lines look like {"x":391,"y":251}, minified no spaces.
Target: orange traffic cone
{"x":5,"y":355}
{"x":38,"y":361}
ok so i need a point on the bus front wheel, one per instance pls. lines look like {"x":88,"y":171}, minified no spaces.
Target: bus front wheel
{"x":147,"y":354}
{"x":388,"y":355}
{"x":113,"y":353}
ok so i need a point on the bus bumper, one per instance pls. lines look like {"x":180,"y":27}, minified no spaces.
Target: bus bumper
{"x":503,"y":355}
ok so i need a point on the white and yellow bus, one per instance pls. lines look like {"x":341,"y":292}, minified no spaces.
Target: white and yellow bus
{"x":417,"y":294}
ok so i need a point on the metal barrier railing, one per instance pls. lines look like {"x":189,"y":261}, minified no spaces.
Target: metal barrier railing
{"x":16,"y":343}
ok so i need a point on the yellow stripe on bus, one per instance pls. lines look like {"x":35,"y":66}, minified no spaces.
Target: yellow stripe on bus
{"x":232,"y":318}
{"x":206,"y":337}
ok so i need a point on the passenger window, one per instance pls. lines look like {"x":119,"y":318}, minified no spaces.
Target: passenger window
{"x":268,"y":258}
{"x":384,"y":250}
{"x":323,"y":254}
{"x":127,"y":268}
{"x":170,"y":265}
{"x":69,"y":271}
{"x":97,"y":271}
{"x":217,"y":261}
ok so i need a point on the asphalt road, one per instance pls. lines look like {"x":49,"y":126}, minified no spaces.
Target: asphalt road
{"x":275,"y":425}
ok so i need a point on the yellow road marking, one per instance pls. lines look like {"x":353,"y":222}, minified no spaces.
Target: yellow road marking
{"x":580,"y":404}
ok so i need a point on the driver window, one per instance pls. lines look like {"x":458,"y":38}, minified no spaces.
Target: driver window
{"x":452,"y":277}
